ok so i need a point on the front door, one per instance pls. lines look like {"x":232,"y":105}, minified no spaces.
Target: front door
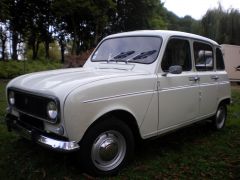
{"x":178,"y":93}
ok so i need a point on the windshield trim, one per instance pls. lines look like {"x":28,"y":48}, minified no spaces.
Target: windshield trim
{"x":130,"y":61}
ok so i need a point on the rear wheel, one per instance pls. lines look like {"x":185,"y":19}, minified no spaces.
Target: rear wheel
{"x":220,"y":117}
{"x":107,"y":147}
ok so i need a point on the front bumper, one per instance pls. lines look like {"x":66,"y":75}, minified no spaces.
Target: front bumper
{"x":39,"y":137}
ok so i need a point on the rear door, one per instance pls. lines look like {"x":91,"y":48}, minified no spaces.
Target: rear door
{"x":208,"y":78}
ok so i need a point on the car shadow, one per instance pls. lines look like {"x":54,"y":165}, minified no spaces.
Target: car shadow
{"x":68,"y":164}
{"x":175,"y":140}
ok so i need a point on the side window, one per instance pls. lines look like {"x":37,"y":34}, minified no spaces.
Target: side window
{"x":219,"y":60}
{"x":177,"y":52}
{"x":203,"y":54}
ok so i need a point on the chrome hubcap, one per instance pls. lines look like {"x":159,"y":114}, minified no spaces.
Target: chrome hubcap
{"x":108,"y":150}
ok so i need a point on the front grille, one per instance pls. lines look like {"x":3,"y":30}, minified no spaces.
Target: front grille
{"x":32,"y":104}
{"x":31,"y":122}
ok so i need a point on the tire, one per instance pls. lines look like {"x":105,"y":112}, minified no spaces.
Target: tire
{"x":107,"y":146}
{"x":220,"y":117}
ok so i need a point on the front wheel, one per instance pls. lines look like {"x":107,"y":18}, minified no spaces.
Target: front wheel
{"x":106,"y":147}
{"x":220,"y":117}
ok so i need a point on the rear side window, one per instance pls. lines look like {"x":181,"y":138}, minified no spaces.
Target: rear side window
{"x":203,"y":54}
{"x":219,"y":60}
{"x":177,"y":53}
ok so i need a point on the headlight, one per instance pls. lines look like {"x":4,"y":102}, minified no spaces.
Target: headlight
{"x":11,"y":98}
{"x":52,"y":110}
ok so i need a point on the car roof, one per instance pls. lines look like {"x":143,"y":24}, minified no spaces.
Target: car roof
{"x":162,"y":33}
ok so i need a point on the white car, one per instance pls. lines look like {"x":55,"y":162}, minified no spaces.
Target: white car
{"x":134,"y":85}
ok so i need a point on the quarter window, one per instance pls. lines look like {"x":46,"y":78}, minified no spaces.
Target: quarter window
{"x":203,"y":54}
{"x":219,"y":60}
{"x":177,"y":53}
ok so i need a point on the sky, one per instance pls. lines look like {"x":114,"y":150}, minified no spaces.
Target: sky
{"x":197,"y":8}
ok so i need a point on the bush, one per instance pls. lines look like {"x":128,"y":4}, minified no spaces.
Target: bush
{"x":77,"y":61}
{"x":11,"y":69}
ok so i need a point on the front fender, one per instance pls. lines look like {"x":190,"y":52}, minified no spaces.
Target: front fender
{"x":84,"y":106}
{"x":79,"y":116}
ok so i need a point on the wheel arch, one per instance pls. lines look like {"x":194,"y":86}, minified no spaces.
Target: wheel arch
{"x":226,"y":101}
{"x":121,"y":115}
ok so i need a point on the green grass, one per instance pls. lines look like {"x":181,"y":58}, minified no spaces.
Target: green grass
{"x":10,"y":69}
{"x":195,"y":152}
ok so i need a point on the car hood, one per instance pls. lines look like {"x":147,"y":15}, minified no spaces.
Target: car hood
{"x":61,"y":82}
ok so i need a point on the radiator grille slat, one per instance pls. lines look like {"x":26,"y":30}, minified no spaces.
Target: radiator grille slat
{"x":31,"y":104}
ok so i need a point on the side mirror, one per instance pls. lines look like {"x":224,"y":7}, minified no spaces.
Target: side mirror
{"x":175,"y":69}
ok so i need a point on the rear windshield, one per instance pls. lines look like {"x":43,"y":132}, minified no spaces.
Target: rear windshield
{"x":140,"y":49}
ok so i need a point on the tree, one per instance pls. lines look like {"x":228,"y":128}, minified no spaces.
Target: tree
{"x":4,"y":11}
{"x":61,"y":36}
{"x":211,"y":21}
{"x":222,"y":26}
{"x":233,"y":25}
{"x":137,"y":15}
{"x":39,"y":20}
{"x":15,"y":24}
{"x":3,"y":38}
{"x":82,"y":23}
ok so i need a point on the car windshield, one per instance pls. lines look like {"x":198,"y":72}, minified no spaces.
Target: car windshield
{"x":138,"y":49}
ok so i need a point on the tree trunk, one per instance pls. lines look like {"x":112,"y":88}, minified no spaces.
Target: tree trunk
{"x":33,"y":50}
{"x":35,"y":47}
{"x":47,"y":49}
{"x":62,"y":53}
{"x":4,"y":40}
{"x":3,"y":49}
{"x":3,"y":37}
{"x":62,"y":47}
{"x":96,"y":35}
{"x":73,"y":51}
{"x":14,"y":45}
{"x":78,"y":47}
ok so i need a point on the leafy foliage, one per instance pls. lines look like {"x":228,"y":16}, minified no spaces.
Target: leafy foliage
{"x":222,"y":26}
{"x":82,"y":23}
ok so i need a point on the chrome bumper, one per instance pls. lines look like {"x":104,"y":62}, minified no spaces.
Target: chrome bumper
{"x":48,"y":142}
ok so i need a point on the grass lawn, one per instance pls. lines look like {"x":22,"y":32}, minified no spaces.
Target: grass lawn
{"x":196,"y":152}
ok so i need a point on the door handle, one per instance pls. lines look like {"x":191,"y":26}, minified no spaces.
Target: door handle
{"x":215,"y":77}
{"x":195,"y":78}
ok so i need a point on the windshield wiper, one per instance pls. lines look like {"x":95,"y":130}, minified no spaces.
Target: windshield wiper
{"x":144,"y":55}
{"x":121,"y":56}
{"x":124,"y":55}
